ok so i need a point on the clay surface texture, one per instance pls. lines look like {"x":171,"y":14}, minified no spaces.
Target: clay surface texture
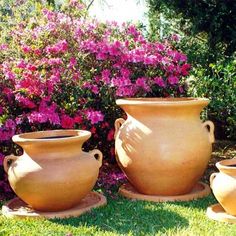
{"x":16,"y":208}
{"x":163,"y":147}
{"x":53,"y":174}
{"x":223,"y":185}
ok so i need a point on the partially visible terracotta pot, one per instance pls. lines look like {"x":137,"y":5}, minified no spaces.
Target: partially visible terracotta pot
{"x":223,"y":185}
{"x":163,"y":147}
{"x":54,"y":173}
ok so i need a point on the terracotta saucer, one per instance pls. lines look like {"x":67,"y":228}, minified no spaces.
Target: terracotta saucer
{"x":17,"y":208}
{"x":199,"y":191}
{"x":217,"y":212}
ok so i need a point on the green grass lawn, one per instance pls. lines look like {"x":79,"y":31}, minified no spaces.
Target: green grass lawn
{"x":125,"y":217}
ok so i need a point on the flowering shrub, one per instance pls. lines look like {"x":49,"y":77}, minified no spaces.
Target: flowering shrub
{"x":61,"y":70}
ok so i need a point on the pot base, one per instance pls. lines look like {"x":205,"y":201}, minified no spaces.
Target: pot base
{"x":217,"y":212}
{"x":200,"y":190}
{"x":16,"y":208}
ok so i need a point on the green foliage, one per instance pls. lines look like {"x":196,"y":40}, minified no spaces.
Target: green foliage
{"x":216,"y":18}
{"x":165,"y":22}
{"x":207,"y":33}
{"x":218,"y":83}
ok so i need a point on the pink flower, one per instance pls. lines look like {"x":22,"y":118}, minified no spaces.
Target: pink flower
{"x":101,"y":56}
{"x":49,"y":14}
{"x":133,"y":31}
{"x":73,"y":62}
{"x":95,"y":116}
{"x":120,"y":81}
{"x":55,"y":61}
{"x":181,"y":90}
{"x":87,"y":85}
{"x":31,"y":67}
{"x":142,"y":82}
{"x":78,"y":119}
{"x":125,"y":91}
{"x":37,"y":52}
{"x":114,"y":49}
{"x":26,"y":49}
{"x":150,"y":60}
{"x":3,"y":47}
{"x":177,"y":56}
{"x":173,"y":80}
{"x":125,"y":72}
{"x":171,"y":68}
{"x":77,"y":4}
{"x":185,"y":69}
{"x":45,"y":114}
{"x":10,"y":124}
{"x":8,"y":92}
{"x":110,"y":135}
{"x":25,"y":102}
{"x":76,"y":76}
{"x":10,"y":75}
{"x":30,"y":84}
{"x":93,"y":130}
{"x":160,"y":82}
{"x":67,"y":122}
{"x":18,"y":120}
{"x":175,"y":37}
{"x":6,"y":135}
{"x":21,"y":64}
{"x":94,"y":89}
{"x":62,"y":45}
{"x":59,"y":47}
{"x":106,"y":76}
{"x":37,"y":117}
{"x":55,"y":78}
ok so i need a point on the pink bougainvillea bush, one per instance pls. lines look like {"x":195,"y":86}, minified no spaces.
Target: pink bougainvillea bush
{"x":60,"y":70}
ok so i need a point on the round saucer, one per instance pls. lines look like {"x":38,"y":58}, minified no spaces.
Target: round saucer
{"x":17,"y":208}
{"x":200,"y":190}
{"x":217,"y":212}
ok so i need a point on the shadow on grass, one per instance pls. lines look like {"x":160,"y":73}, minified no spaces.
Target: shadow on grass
{"x":125,"y":216}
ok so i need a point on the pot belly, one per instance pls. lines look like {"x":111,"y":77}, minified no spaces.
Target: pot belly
{"x":53,"y":186}
{"x":224,"y":189}
{"x":163,"y":162}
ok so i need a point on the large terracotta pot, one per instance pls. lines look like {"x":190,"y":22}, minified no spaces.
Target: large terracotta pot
{"x":53,"y":173}
{"x":163,"y":147}
{"x":223,"y":185}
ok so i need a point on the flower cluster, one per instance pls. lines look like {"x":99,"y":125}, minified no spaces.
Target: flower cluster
{"x":66,"y":71}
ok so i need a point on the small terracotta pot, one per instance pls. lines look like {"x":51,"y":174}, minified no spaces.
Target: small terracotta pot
{"x":223,"y":185}
{"x":54,"y":173}
{"x":163,"y":147}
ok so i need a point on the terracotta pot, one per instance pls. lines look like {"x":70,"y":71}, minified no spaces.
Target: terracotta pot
{"x":223,"y":185}
{"x":163,"y":147}
{"x":53,"y":173}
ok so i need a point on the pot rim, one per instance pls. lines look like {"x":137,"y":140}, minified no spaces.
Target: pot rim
{"x":225,"y":164}
{"x":172,"y":101}
{"x":44,"y":136}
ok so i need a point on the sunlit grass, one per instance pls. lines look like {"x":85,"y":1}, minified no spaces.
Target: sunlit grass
{"x":125,"y":217}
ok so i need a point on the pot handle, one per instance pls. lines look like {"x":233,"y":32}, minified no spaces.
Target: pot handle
{"x":211,"y":126}
{"x":212,"y":177}
{"x":99,"y":155}
{"x":6,"y":164}
{"x":118,"y":124}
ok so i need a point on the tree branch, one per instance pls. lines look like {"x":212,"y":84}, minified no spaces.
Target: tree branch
{"x":90,"y":4}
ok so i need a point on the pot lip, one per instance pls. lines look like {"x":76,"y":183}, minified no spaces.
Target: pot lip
{"x":44,"y":136}
{"x":225,"y":164}
{"x":173,"y":101}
